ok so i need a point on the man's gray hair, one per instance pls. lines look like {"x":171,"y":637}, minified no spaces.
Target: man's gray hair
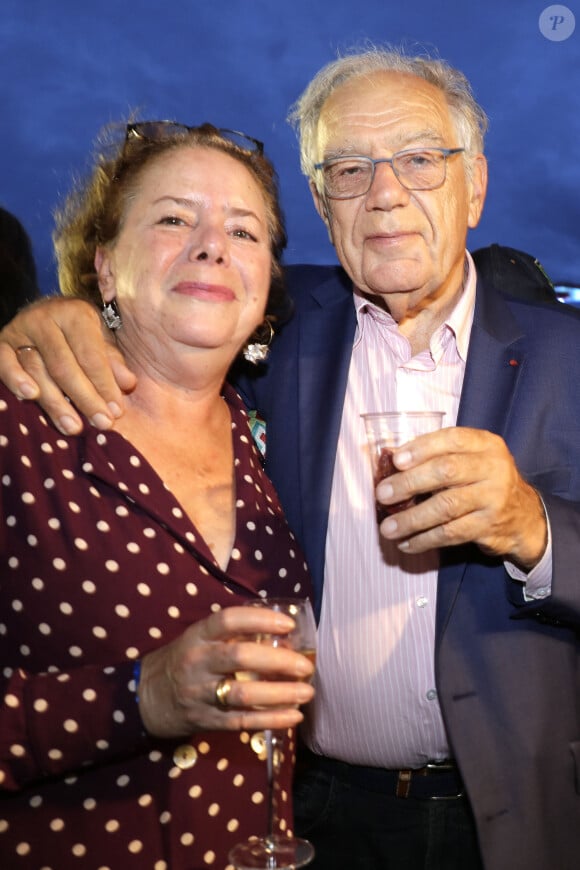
{"x":470,"y":119}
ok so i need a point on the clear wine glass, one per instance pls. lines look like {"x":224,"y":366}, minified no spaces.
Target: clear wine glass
{"x":275,"y":851}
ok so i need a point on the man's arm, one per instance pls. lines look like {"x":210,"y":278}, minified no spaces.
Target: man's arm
{"x":477,"y":495}
{"x":74,"y":359}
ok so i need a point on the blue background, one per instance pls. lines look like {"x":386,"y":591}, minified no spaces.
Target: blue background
{"x":70,"y":67}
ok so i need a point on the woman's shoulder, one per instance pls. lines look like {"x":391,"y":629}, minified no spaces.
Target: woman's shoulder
{"x":23,"y":416}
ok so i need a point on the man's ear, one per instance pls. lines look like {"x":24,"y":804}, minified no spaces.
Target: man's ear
{"x":478,"y":189}
{"x":321,"y":206}
{"x":105,"y":275}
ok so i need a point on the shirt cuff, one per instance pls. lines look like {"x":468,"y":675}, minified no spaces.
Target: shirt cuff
{"x":538,"y":581}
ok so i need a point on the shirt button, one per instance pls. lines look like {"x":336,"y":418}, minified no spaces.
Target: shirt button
{"x":431,"y":694}
{"x":185,"y":756}
{"x":422,"y":601}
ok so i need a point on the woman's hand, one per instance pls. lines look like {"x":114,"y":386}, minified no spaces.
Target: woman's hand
{"x":56,"y":348}
{"x":177,"y":689}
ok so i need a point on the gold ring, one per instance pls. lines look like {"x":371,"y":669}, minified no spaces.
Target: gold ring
{"x":223,"y":689}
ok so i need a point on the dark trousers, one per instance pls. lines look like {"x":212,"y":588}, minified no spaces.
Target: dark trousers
{"x":353,"y":828}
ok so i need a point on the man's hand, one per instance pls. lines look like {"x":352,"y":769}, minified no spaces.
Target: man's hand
{"x":476,"y":495}
{"x":57,"y":348}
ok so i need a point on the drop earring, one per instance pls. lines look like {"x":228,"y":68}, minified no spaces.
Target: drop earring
{"x":111,"y":316}
{"x":257,"y":351}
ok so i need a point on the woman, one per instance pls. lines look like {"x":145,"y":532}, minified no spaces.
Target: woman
{"x":125,"y":742}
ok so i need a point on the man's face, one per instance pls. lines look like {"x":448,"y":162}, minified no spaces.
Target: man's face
{"x":405,"y":246}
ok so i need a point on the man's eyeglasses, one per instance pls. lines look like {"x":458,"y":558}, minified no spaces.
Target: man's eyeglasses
{"x":159,"y":131}
{"x":415,"y":169}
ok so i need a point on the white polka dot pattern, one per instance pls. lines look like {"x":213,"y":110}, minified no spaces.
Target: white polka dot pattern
{"x":98,"y":565}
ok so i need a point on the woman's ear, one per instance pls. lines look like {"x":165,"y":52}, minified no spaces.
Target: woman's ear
{"x":105,"y":275}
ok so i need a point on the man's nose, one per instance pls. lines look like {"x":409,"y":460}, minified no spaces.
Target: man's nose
{"x":386,"y":191}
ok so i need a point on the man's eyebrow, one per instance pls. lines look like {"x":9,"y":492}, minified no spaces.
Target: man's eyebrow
{"x":423,"y":136}
{"x":431,"y":136}
{"x":401,"y":142}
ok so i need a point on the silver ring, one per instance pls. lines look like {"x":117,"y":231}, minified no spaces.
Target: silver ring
{"x":26,"y":347}
{"x":223,"y":689}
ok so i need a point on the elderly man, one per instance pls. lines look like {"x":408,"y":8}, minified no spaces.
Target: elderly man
{"x":446,"y":728}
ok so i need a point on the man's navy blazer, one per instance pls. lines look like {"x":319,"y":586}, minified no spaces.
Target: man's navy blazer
{"x":507,"y":670}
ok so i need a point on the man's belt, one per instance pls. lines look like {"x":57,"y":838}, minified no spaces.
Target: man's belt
{"x":434,"y":781}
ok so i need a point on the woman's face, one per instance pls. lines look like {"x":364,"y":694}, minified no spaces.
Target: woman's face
{"x":191,"y":266}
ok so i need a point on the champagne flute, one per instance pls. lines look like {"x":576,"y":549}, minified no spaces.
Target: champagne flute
{"x":274,"y":851}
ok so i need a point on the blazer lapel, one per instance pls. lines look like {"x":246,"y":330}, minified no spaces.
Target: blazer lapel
{"x":324,"y":351}
{"x":495,"y":359}
{"x":494,"y":362}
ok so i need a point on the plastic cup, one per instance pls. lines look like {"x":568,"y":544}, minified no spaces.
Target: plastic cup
{"x":387,"y":430}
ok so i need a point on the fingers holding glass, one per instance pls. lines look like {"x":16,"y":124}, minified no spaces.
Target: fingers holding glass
{"x":276,"y":851}
{"x":387,"y":431}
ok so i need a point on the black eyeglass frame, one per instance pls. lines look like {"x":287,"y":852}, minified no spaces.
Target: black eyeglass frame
{"x":159,"y":131}
{"x":446,"y":152}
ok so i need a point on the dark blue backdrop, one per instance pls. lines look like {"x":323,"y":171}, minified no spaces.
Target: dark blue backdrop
{"x":69,"y":67}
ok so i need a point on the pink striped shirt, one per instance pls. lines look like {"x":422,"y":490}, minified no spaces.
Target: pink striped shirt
{"x":376,"y":701}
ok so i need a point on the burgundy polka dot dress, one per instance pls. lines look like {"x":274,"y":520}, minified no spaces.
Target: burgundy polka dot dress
{"x":98,"y":565}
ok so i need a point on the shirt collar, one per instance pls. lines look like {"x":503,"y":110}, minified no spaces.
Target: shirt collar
{"x":459,"y":320}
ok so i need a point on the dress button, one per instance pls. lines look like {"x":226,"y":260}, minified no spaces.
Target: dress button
{"x":431,"y":694}
{"x":185,"y":756}
{"x":258,"y":744}
{"x":422,"y":601}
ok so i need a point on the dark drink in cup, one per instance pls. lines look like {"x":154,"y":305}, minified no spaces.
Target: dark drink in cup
{"x":385,"y":432}
{"x":385,"y":468}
